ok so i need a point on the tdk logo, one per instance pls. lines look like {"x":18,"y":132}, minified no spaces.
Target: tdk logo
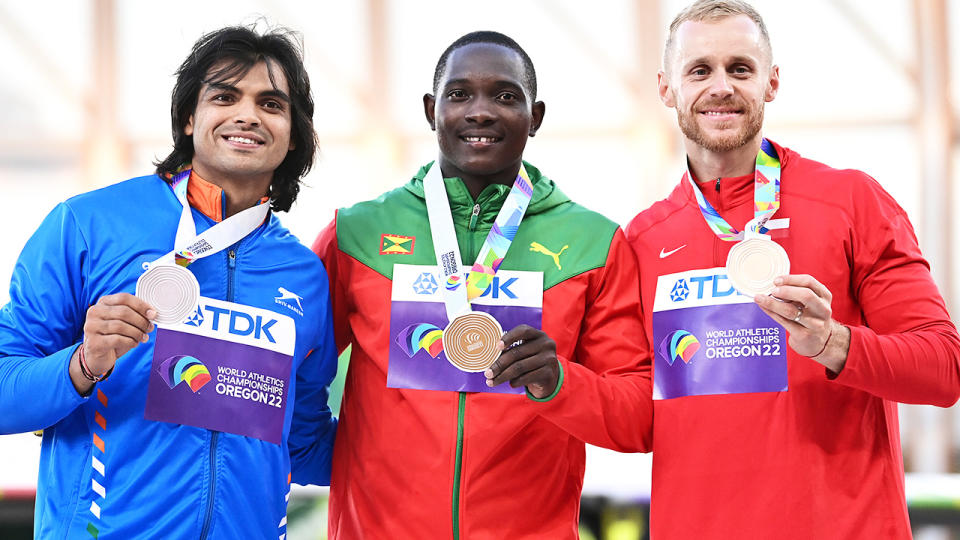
{"x":712,"y":286}
{"x":235,"y":322}
{"x":425,"y":284}
{"x":498,"y":288}
{"x":195,"y":319}
{"x":680,"y":291}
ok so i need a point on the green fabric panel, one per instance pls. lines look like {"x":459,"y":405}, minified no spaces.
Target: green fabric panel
{"x":586,"y":234}
{"x":552,"y":222}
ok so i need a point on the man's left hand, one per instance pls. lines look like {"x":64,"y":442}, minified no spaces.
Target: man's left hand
{"x":802,"y":305}
{"x":532,"y":363}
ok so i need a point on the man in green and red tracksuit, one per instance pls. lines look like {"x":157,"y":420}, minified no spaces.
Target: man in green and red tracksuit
{"x":424,"y":450}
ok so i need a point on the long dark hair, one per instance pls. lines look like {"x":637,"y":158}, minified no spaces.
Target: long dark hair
{"x":234,"y":51}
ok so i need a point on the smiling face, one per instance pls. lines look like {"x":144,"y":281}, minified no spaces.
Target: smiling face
{"x":241,"y":128}
{"x":482,"y":115}
{"x":718,"y":78}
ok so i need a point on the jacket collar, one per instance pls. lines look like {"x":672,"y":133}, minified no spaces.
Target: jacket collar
{"x":546,"y":195}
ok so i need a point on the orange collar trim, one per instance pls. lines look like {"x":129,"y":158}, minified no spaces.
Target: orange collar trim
{"x":207,"y":197}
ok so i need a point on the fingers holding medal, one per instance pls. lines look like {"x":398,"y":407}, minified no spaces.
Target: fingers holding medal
{"x":113,"y":326}
{"x":532,"y":362}
{"x":802,"y":305}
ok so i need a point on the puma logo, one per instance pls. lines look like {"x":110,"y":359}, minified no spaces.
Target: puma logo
{"x":540,"y":248}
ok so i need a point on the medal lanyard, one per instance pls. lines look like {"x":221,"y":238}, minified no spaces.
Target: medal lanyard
{"x":456,"y":298}
{"x":766,"y":198}
{"x":190,"y":246}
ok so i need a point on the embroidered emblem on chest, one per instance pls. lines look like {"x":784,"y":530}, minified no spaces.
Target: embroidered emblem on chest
{"x":395,"y":244}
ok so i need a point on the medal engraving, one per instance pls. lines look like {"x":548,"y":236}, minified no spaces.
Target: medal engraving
{"x":470,"y":341}
{"x":753,"y":264}
{"x":171,"y":289}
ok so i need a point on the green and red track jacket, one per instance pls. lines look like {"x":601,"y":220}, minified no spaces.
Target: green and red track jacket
{"x":434,"y":464}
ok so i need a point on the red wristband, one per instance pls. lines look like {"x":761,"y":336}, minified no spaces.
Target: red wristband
{"x":830,"y":335}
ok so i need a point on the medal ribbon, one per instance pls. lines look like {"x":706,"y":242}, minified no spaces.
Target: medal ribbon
{"x":190,"y":246}
{"x":766,"y":197}
{"x":494,"y":249}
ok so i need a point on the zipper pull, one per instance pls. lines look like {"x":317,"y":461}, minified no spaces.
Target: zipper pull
{"x":232,"y":258}
{"x":473,"y":216}
{"x":718,"y":184}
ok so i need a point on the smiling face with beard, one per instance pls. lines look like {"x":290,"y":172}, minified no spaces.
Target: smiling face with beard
{"x":718,"y":77}
{"x":721,"y":125}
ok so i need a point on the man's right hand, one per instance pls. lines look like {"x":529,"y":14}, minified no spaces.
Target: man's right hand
{"x":114,"y":325}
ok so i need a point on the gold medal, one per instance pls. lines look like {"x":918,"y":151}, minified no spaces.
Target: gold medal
{"x":470,"y":341}
{"x":171,"y":289}
{"x":754,"y":263}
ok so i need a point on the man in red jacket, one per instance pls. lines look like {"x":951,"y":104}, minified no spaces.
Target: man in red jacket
{"x":789,"y":308}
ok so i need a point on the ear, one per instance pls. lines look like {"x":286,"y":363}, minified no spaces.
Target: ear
{"x":188,"y":129}
{"x":293,"y":146}
{"x":773,"y":85}
{"x":665,"y":90}
{"x":539,"y":109}
{"x":429,"y":102}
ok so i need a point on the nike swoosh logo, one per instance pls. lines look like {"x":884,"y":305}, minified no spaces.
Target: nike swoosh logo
{"x":665,"y":254}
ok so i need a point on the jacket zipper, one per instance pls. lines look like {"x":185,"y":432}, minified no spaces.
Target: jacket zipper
{"x":215,"y":435}
{"x":717,"y":243}
{"x":461,"y":414}
{"x":473,"y":223}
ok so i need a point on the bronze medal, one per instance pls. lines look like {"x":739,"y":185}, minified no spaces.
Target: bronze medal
{"x":470,"y":341}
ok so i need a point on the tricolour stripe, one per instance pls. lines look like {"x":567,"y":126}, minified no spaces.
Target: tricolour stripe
{"x":98,"y":489}
{"x":98,"y":442}
{"x":98,"y":465}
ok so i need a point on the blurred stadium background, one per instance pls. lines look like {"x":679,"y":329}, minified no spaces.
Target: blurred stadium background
{"x":868,"y":85}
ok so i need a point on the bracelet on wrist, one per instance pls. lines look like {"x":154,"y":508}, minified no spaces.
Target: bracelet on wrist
{"x":830,"y":335}
{"x":85,"y":370}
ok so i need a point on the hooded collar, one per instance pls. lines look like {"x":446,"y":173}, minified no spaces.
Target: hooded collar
{"x":546,"y":195}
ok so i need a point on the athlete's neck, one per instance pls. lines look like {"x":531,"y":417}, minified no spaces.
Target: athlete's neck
{"x":241,"y":192}
{"x":709,"y":165}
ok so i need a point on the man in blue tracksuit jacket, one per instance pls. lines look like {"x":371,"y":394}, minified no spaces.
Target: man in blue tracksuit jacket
{"x":192,"y":428}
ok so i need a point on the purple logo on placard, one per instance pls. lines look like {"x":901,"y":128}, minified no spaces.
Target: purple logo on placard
{"x":184,"y":368}
{"x":679,"y":344}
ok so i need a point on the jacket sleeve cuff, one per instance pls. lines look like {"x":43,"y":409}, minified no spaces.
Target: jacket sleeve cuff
{"x":555,"y":391}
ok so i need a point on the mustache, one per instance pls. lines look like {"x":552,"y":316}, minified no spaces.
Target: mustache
{"x":729,"y":103}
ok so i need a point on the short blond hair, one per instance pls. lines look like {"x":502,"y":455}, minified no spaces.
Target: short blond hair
{"x":715,"y":10}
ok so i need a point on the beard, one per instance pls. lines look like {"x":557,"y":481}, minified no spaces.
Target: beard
{"x":725,"y":142}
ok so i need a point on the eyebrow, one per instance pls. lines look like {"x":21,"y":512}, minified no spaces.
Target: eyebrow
{"x":739,"y":59}
{"x":222,"y":86}
{"x":501,"y":82}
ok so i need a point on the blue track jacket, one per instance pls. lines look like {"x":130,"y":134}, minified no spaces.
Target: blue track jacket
{"x":105,"y":471}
